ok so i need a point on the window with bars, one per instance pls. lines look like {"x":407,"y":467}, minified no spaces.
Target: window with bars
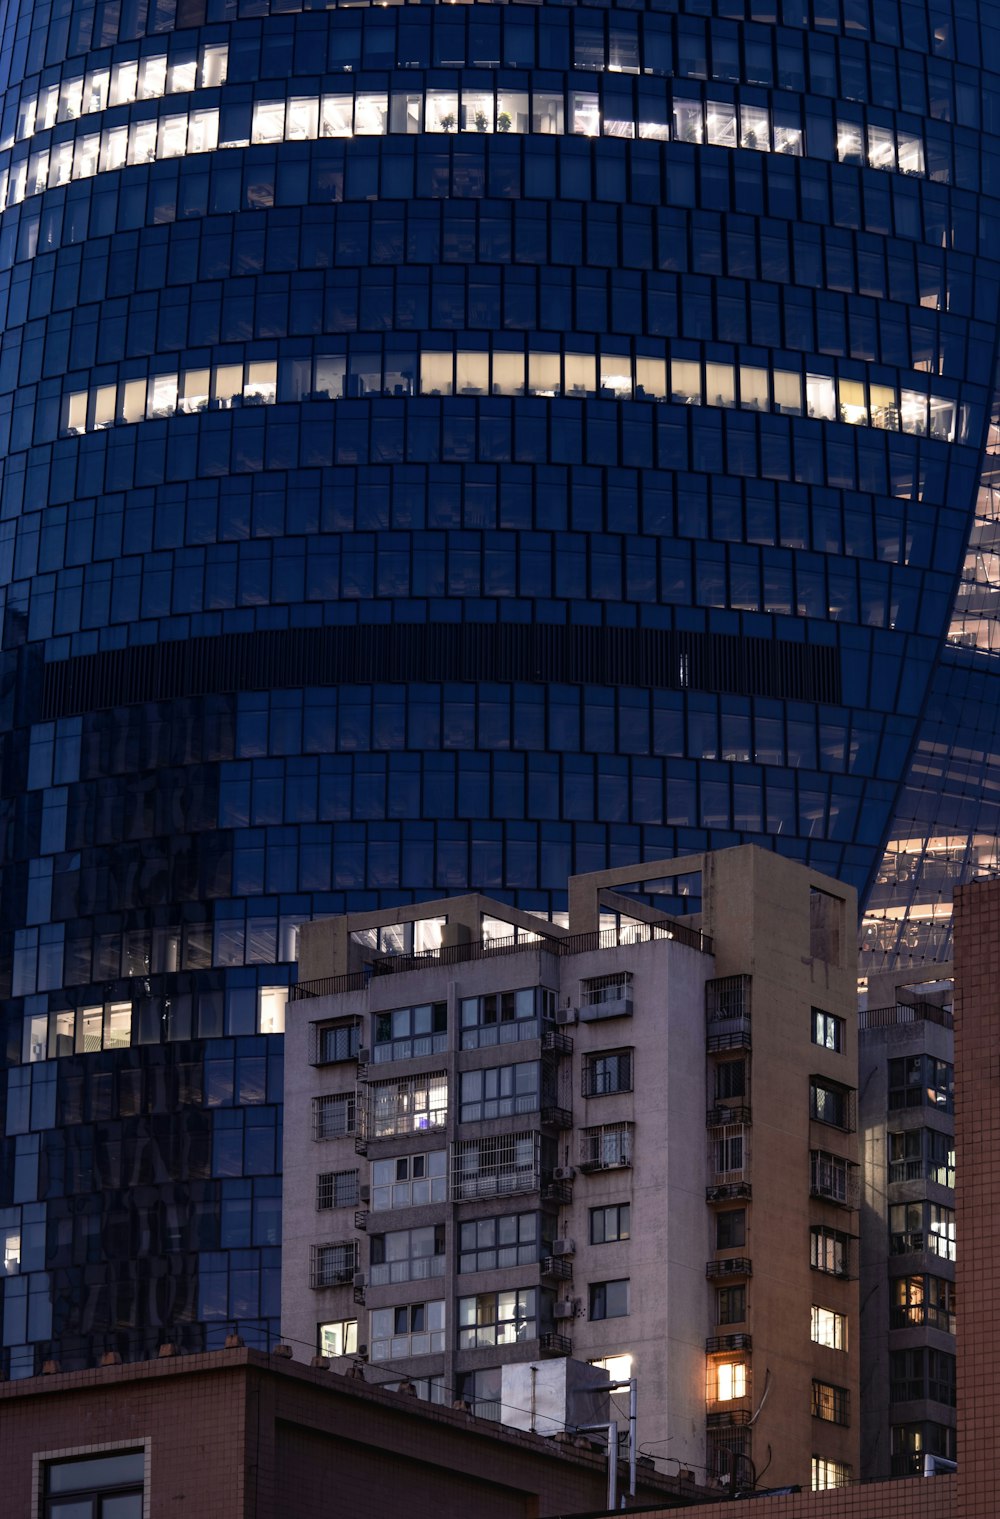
{"x":337,"y":1189}
{"x":334,"y":1265}
{"x":601,"y":989}
{"x":830,"y":1402}
{"x":832,"y":1177}
{"x":730,"y":1080}
{"x":408,"y":1105}
{"x":923,"y":1299}
{"x":606,"y":1146}
{"x":333,"y":1116}
{"x":831,"y":1103}
{"x":607,"y":1071}
{"x":495,"y":1165}
{"x":830,"y":1250}
{"x":335,"y":1041}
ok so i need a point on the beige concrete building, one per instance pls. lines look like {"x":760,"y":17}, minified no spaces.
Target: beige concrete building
{"x":629,"y":1138}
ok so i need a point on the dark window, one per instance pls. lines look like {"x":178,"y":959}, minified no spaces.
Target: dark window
{"x":609,"y":1300}
{"x":337,"y":1189}
{"x":730,"y":1079}
{"x":610,"y":1224}
{"x":484,"y":1244}
{"x":610,"y":1071}
{"x":338,"y":1041}
{"x":831,"y":1103}
{"x":916,"y":1080}
{"x":732,"y":1304}
{"x":730,"y":1229}
{"x":830,"y":1250}
{"x":95,"y":1487}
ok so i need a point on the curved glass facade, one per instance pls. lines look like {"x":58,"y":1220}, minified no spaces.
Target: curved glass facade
{"x":443,"y":447}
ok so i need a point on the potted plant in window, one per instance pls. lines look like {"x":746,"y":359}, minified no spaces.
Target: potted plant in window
{"x":448,"y":122}
{"x":482,"y":124}
{"x":503,"y":121}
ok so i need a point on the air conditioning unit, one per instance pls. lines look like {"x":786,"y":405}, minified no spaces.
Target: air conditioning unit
{"x":566,"y":1016}
{"x":362,"y":1350}
{"x":566,"y":1309}
{"x":564,"y":1247}
{"x":364,"y":1193}
{"x":563,"y":1173}
{"x":359,"y":1279}
{"x":364,"y":1056}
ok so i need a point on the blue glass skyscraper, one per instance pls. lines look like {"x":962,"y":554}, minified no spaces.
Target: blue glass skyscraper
{"x":444,"y":447}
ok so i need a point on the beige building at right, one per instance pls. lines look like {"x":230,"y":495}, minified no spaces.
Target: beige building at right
{"x":629,"y":1140}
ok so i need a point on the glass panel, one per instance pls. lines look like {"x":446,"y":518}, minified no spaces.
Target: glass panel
{"x":850,"y":148}
{"x":687,"y":120}
{"x":407,"y":112}
{"x":881,"y":148}
{"x":911,"y":153}
{"x":114,"y":149}
{"x":203,"y":131}
{"x":227,"y":382}
{"x":331,"y":372}
{"x":214,"y":59}
{"x":268,"y":121}
{"x":821,"y":400}
{"x":173,"y":136}
{"x":477,"y":110}
{"x":544,"y":374}
{"x":436,"y":374}
{"x":337,"y":116}
{"x":134,"y":401}
{"x":86,"y":155}
{"x":753,"y":388}
{"x":162,"y":395}
{"x":152,"y":77}
{"x":685,"y":381}
{"x":547,"y":112}
{"x":104,"y":405}
{"x":755,"y":128}
{"x":584,"y":113}
{"x":508,"y":374}
{"x":95,"y":94}
{"x":512,"y":111}
{"x":942,"y":418}
{"x":721,"y":122}
{"x":853,"y":407}
{"x":472,"y":374}
{"x":651,"y":379}
{"x":616,"y":376}
{"x":787,"y":392}
{"x":262,"y":381}
{"x":581,"y":374}
{"x":124,"y":83}
{"x":885,"y":412}
{"x":142,"y":142}
{"x":720,"y":387}
{"x":913,"y":412}
{"x":371,"y":115}
{"x":442,"y":111}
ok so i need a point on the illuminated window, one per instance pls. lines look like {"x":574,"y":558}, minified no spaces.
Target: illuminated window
{"x":829,"y":1328}
{"x":338,"y":1338}
{"x":826,"y":1473}
{"x":731,"y":1380}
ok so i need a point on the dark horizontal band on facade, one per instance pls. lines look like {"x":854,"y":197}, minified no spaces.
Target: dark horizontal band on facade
{"x":379,"y":655}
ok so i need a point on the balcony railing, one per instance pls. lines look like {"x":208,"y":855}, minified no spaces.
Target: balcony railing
{"x":555,"y":1344}
{"x":724,"y":1113}
{"x":556,"y":1269}
{"x":732,"y":1265}
{"x":730,"y":1191}
{"x":722,"y":1342}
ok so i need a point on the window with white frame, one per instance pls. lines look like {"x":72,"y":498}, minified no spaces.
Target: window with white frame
{"x":409,"y":1330}
{"x":338,"y":1337}
{"x":409,"y":1181}
{"x":407,"y":1255}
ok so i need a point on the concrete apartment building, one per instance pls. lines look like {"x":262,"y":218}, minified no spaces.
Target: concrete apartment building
{"x":626,"y":1138}
{"x":906,"y":1052}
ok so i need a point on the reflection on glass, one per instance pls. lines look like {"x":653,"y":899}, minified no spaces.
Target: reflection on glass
{"x":687,"y":121}
{"x":821,"y":400}
{"x":755,"y":128}
{"x":721,"y":123}
{"x":584,"y":113}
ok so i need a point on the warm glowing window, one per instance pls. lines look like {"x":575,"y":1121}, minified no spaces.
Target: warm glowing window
{"x":731,"y":1380}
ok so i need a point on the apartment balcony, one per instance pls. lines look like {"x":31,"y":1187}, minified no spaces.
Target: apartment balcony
{"x":555,"y":1269}
{"x":726,"y":1342}
{"x":557,"y":1118}
{"x":555,"y":1043}
{"x":727,"y":1013}
{"x":555,"y":1344}
{"x":728,"y":1192}
{"x":731,"y":1265}
{"x":361,"y":1219}
{"x":560,"y":1192}
{"x":606,"y":1147}
{"x":724,"y":1113}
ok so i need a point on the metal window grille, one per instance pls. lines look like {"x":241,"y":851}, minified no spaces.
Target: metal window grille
{"x":337,"y":1189}
{"x":334,"y":1265}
